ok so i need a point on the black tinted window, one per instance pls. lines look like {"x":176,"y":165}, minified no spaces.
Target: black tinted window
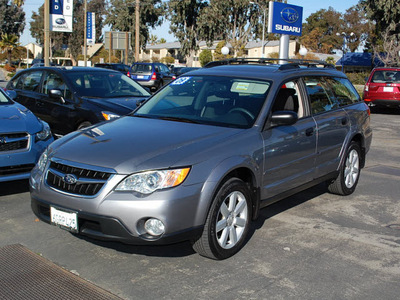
{"x":30,"y":81}
{"x":320,"y":94}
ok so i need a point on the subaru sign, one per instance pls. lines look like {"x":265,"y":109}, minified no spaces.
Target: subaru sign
{"x":61,"y":15}
{"x":285,"y":18}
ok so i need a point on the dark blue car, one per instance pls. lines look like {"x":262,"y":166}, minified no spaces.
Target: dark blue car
{"x":23,"y":137}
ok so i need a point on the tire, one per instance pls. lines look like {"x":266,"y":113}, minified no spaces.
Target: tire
{"x":347,"y":180}
{"x":227,"y":222}
{"x":84,"y":125}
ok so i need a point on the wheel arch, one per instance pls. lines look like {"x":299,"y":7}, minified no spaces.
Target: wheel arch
{"x":246,"y":171}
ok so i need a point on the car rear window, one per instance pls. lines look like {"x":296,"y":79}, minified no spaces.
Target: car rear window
{"x":141,"y":68}
{"x":385,"y":76}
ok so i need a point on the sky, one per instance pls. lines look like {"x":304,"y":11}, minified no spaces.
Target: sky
{"x":309,"y":7}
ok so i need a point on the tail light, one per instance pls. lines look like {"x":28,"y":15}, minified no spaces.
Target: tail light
{"x":173,"y":77}
{"x":366,"y":87}
{"x":154,"y":76}
{"x":128,"y":74}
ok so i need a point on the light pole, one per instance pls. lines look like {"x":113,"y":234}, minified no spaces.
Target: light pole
{"x":346,"y":37}
{"x":263,"y":29}
{"x":303,"y":52}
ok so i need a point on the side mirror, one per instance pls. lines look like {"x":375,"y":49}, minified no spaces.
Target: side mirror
{"x":12,"y":94}
{"x":283,"y":118}
{"x":58,"y":95}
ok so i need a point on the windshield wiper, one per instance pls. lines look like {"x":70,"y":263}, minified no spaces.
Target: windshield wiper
{"x":179,"y":119}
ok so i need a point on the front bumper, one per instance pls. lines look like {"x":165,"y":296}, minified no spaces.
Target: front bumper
{"x":112,"y":229}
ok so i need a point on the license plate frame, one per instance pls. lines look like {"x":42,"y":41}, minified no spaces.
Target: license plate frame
{"x":140,"y":77}
{"x":67,"y":220}
{"x":388,"y":89}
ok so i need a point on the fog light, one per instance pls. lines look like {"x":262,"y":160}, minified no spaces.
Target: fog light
{"x":154,"y":227}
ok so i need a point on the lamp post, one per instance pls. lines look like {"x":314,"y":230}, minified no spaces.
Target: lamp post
{"x":263,"y":29}
{"x":303,"y":52}
{"x":346,"y":37}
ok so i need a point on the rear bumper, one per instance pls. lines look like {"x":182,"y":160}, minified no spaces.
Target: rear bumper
{"x":383,"y":102}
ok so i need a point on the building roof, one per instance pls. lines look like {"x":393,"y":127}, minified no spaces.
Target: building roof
{"x":358,"y":59}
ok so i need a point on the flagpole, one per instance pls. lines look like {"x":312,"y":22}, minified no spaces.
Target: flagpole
{"x":85,"y":35}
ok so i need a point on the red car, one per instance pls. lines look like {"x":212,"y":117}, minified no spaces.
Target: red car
{"x":383,"y":88}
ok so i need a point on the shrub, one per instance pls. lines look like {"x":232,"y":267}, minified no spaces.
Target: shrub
{"x":205,"y":57}
{"x":9,"y":68}
{"x":358,"y":77}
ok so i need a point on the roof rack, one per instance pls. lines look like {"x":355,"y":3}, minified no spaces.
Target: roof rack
{"x":284,"y":63}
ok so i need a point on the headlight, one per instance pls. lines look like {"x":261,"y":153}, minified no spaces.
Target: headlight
{"x":45,"y":133}
{"x":109,"y":115}
{"x":148,"y":182}
{"x":43,"y":160}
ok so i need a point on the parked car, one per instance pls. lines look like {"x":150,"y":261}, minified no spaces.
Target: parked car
{"x":23,"y":137}
{"x":180,"y":71}
{"x":200,"y":158}
{"x":151,"y":75}
{"x":71,"y":98}
{"x":383,"y":88}
{"x":114,"y":66}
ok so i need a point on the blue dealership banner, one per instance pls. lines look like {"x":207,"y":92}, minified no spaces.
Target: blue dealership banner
{"x":90,"y":28}
{"x":285,"y":18}
{"x":61,"y":15}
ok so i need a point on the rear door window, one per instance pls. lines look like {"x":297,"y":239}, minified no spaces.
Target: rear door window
{"x":321,"y":96}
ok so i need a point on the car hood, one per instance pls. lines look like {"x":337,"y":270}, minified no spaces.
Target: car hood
{"x":123,"y":104}
{"x":17,"y":118}
{"x":131,"y":144}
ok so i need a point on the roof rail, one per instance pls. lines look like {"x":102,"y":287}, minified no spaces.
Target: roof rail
{"x":284,"y":63}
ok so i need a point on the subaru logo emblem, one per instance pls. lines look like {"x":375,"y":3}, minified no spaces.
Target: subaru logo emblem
{"x":60,"y":21}
{"x":289,"y":15}
{"x":70,"y":179}
{"x":3,"y":140}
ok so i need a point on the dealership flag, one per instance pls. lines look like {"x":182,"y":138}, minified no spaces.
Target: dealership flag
{"x":90,"y":28}
{"x":61,"y":15}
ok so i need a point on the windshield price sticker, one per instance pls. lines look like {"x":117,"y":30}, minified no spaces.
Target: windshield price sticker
{"x":180,"y":80}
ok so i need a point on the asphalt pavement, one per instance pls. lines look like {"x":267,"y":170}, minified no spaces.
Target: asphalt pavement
{"x":313,"y":245}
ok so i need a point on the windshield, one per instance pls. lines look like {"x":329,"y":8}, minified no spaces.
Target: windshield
{"x":3,"y":98}
{"x":105,"y":85}
{"x":221,"y":101}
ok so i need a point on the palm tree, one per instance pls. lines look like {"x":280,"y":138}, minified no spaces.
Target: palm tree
{"x":7,"y":43}
{"x":19,"y":3}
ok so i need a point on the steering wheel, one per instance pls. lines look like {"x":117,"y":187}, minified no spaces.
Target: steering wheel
{"x":243,"y":111}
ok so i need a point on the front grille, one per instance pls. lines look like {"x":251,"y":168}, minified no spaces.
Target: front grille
{"x":19,"y":169}
{"x":88,"y":182}
{"x":14,"y":141}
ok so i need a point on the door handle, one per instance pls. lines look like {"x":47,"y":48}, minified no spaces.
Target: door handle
{"x":345,"y":120}
{"x":309,"y":131}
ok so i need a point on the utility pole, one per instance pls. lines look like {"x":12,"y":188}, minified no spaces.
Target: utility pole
{"x":85,"y":34}
{"x":137,"y":17}
{"x":46,"y":32}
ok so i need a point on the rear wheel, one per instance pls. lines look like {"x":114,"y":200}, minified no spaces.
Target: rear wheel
{"x":347,"y":180}
{"x":227,"y":222}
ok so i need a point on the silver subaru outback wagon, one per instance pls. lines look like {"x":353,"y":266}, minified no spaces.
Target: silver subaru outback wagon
{"x":200,"y":158}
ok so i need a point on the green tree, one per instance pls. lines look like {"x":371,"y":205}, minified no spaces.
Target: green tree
{"x":8,"y":43}
{"x":153,"y":39}
{"x":121,"y":17}
{"x":161,"y":41}
{"x":319,"y":31}
{"x":355,"y":20}
{"x":184,"y":17}
{"x":238,"y":24}
{"x":385,"y":14}
{"x":12,"y":18}
{"x":205,"y":57}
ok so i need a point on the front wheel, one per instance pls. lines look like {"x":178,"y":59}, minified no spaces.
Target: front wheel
{"x":227,"y":222}
{"x":347,"y":180}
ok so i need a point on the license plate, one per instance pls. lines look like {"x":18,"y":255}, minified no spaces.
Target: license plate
{"x":140,"y":76}
{"x":388,"y":89}
{"x":67,"y":220}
